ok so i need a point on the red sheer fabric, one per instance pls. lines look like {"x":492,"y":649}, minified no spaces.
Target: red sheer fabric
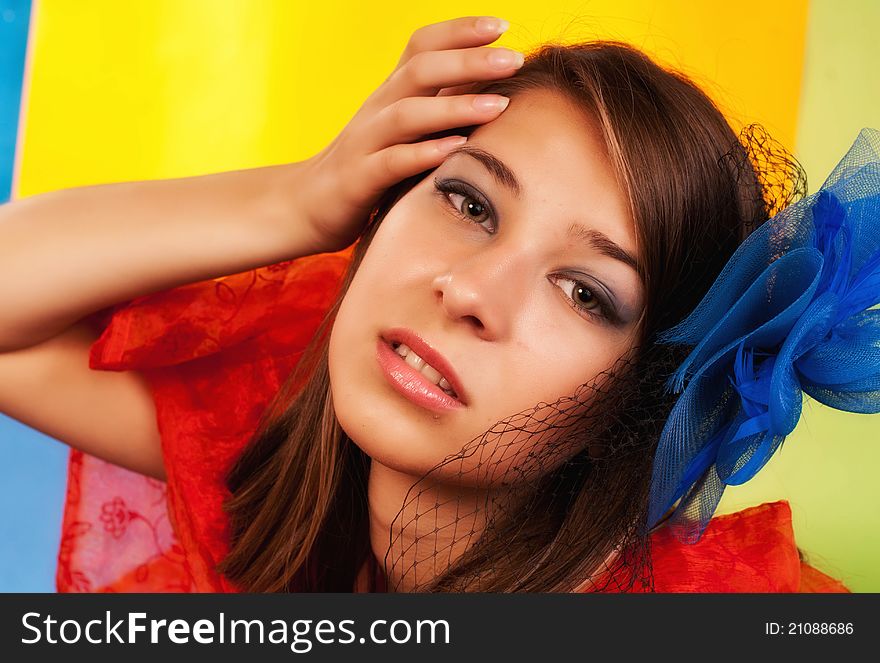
{"x":752,"y":550}
{"x":214,"y":354}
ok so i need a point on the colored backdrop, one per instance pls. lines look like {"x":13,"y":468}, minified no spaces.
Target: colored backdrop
{"x":110,"y":91}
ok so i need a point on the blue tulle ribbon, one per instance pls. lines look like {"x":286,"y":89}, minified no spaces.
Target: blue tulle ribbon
{"x":790,"y":314}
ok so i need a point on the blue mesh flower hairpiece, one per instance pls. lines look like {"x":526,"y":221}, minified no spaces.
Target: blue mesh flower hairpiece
{"x":790,"y":314}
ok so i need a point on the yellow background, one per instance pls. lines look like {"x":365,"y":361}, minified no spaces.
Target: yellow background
{"x":154,"y":89}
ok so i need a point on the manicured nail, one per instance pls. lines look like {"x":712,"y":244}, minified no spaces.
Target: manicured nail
{"x":490,"y":103}
{"x":504,"y":58}
{"x":451,"y":142}
{"x":489,"y":25}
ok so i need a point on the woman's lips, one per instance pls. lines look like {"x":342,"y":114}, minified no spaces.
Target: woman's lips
{"x":411,"y":383}
{"x":430,"y":354}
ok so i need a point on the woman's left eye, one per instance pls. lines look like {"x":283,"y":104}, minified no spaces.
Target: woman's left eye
{"x":586,"y":298}
{"x":465,"y":202}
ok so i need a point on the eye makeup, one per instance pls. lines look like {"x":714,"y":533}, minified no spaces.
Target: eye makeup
{"x":604,"y":311}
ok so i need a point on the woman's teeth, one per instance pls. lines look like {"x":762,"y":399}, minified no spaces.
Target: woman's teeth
{"x":423,"y":367}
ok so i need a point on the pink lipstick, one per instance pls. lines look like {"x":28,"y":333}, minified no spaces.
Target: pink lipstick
{"x":410,"y":382}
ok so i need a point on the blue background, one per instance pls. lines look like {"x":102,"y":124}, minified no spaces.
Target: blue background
{"x":33,"y":474}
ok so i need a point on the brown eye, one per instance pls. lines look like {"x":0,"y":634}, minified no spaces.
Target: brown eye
{"x":585,"y":297}
{"x":471,"y":208}
{"x":467,"y":204}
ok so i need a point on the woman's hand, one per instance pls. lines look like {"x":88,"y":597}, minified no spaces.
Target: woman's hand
{"x":421,"y":96}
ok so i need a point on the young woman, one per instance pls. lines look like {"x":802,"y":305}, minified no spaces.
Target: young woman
{"x":480,"y":265}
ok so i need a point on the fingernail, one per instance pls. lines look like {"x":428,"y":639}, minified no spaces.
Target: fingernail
{"x":451,"y":142}
{"x":490,"y":103}
{"x":489,"y":25}
{"x":504,"y":58}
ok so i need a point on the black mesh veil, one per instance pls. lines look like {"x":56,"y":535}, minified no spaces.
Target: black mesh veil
{"x":537,"y":465}
{"x":555,"y":498}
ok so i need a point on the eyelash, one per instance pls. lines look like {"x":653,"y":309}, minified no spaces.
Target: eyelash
{"x":445,"y":187}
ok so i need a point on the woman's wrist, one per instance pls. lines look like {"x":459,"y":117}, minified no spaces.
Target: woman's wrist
{"x":286,"y":209}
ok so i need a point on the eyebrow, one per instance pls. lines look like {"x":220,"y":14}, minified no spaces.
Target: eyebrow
{"x":494,"y":165}
{"x":505,"y":176}
{"x":603,"y":244}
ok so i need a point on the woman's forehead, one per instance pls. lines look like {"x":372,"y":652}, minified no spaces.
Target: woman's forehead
{"x":545,"y":151}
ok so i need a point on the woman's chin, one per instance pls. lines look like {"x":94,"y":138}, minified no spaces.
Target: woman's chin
{"x":383,"y":434}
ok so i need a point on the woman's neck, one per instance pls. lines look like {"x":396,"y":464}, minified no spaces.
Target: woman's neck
{"x":436,"y":526}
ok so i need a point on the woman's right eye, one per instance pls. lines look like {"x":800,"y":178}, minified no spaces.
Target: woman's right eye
{"x":465,"y":202}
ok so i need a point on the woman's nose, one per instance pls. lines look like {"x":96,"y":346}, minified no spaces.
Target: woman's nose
{"x":481,"y":295}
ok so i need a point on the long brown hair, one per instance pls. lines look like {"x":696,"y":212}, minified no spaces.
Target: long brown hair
{"x":298,"y":508}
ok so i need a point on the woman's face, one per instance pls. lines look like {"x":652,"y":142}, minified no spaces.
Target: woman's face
{"x":487,"y":272}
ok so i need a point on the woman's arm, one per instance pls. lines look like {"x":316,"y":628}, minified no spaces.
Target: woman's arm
{"x":66,"y":254}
